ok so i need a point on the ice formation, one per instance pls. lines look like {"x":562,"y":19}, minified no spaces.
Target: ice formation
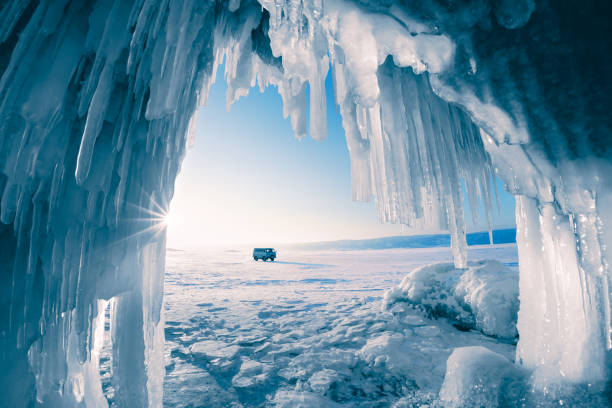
{"x":478,"y":377}
{"x":96,"y":99}
{"x":483,"y":296}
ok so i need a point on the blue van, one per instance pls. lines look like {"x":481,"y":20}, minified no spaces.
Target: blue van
{"x":264,"y":253}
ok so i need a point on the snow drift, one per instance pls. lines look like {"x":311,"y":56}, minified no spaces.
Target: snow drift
{"x":478,"y":377}
{"x":483,"y":297}
{"x":96,"y":99}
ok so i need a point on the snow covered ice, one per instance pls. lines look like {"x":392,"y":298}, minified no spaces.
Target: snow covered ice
{"x":483,"y":296}
{"x":97,"y":99}
{"x":309,"y":330}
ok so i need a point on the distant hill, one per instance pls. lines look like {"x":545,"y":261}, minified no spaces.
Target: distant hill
{"x":501,"y":236}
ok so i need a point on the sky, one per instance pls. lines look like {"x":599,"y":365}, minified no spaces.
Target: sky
{"x":248,"y":180}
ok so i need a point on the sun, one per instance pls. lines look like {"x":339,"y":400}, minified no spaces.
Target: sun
{"x":169,"y":219}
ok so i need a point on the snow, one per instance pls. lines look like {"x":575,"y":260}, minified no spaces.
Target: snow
{"x":308,"y":329}
{"x":312,"y":329}
{"x":476,"y":376}
{"x":213,"y":349}
{"x":483,"y":296}
{"x":96,"y":99}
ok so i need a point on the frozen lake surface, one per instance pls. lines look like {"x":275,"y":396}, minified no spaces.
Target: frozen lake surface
{"x":308,"y":330}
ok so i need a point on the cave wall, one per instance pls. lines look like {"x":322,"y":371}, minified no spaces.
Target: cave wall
{"x":96,"y":99}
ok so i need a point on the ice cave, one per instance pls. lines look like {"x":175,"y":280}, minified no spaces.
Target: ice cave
{"x":97,"y":98}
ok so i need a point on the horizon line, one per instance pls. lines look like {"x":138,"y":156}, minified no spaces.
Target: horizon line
{"x":329,"y":241}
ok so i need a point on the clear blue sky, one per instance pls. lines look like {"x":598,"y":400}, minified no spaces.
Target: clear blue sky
{"x":248,"y":180}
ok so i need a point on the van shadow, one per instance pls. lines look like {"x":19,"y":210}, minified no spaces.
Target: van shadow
{"x":311,"y":265}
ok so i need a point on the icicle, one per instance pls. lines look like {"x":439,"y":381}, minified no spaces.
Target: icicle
{"x":95,"y":118}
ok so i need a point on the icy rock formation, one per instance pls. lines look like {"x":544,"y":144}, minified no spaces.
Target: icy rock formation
{"x":483,"y":297}
{"x":96,"y":98}
{"x":95,"y":101}
{"x":477,"y":377}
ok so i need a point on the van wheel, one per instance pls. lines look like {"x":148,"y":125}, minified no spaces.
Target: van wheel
{"x":272,"y":259}
{"x":255,"y":258}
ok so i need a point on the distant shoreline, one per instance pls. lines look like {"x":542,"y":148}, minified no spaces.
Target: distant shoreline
{"x":500,"y":236}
